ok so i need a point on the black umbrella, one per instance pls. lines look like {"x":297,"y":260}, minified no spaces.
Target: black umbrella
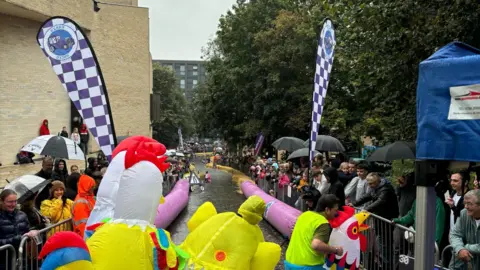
{"x":171,"y":160}
{"x":303,"y":152}
{"x":327,"y":144}
{"x":27,"y":185}
{"x":55,"y":146}
{"x":394,"y":151}
{"x":289,"y":144}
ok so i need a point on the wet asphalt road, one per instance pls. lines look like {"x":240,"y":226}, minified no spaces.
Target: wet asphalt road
{"x":223,"y":194}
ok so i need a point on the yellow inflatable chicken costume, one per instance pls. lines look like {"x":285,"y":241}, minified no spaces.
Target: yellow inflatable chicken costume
{"x":229,"y":241}
{"x":128,"y":240}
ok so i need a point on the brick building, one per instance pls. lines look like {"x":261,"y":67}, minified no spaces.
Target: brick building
{"x":29,"y":88}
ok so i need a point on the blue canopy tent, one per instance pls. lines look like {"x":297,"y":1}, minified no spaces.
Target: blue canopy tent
{"x":448,"y":114}
{"x":439,"y":137}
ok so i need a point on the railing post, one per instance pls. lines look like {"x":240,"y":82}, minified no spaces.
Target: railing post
{"x":426,"y":175}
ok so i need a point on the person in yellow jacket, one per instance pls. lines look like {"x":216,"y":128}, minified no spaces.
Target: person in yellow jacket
{"x":57,"y":208}
{"x":310,"y":236}
{"x":303,"y":181}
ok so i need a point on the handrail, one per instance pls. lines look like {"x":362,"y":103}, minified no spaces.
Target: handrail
{"x":443,"y":253}
{"x":44,"y":230}
{"x":437,"y":251}
{"x":386,"y":220}
{"x":13,"y":260}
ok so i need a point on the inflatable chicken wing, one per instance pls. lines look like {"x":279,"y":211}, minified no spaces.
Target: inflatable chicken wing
{"x":229,"y":240}
{"x":346,"y":233}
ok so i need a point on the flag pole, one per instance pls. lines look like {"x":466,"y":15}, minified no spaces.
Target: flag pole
{"x":323,"y":68}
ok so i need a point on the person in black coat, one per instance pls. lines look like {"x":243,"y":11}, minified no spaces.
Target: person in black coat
{"x":381,"y":199}
{"x":71,"y":186}
{"x":60,"y":171}
{"x":45,"y":173}
{"x":13,"y":224}
{"x":92,"y":166}
{"x":336,"y":187}
{"x":406,"y":193}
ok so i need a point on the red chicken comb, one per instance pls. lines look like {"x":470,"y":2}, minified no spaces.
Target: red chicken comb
{"x":160,"y":149}
{"x":146,"y":151}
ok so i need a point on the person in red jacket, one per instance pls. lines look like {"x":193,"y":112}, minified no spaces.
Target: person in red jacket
{"x":84,"y":136}
{"x":44,"y":128}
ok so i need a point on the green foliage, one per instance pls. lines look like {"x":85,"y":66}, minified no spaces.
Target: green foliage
{"x":402,"y":167}
{"x":261,"y":65}
{"x":173,"y":105}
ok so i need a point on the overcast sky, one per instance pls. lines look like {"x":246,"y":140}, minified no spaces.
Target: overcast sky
{"x":180,"y":28}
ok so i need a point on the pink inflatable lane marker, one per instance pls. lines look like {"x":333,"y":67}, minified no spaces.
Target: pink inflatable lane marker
{"x":174,"y":203}
{"x":282,"y":216}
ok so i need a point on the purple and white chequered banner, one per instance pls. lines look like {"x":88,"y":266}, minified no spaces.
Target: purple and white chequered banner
{"x":324,"y":63}
{"x":74,"y":61}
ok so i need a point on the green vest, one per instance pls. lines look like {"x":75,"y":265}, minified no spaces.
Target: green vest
{"x":299,"y":251}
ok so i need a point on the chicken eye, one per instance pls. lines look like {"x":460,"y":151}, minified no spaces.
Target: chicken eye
{"x":354,"y":230}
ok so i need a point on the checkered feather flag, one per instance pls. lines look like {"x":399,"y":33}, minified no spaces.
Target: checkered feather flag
{"x":324,"y":63}
{"x":72,"y":58}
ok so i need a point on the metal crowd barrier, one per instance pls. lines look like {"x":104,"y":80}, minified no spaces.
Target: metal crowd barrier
{"x":450,"y":261}
{"x":389,"y":246}
{"x":9,"y":260}
{"x":287,"y":194}
{"x":30,"y":247}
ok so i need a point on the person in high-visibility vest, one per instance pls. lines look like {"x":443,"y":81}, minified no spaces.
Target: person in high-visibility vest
{"x":83,"y":204}
{"x":310,"y":236}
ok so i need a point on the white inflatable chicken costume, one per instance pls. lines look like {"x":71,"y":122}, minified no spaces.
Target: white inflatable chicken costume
{"x":346,"y":233}
{"x":129,"y":240}
{"x":107,"y":191}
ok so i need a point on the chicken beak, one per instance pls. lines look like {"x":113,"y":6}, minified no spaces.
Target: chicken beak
{"x":361,"y":217}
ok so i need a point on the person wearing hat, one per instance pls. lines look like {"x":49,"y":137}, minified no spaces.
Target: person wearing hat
{"x":57,"y":208}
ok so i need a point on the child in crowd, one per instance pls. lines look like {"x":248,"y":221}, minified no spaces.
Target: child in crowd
{"x":75,"y":136}
{"x":74,"y":169}
{"x":64,"y":132}
{"x":208,"y":177}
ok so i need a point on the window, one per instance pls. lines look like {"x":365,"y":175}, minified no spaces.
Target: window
{"x":195,"y":67}
{"x":195,"y":73}
{"x":195,"y":82}
{"x":182,"y":84}
{"x":182,"y":70}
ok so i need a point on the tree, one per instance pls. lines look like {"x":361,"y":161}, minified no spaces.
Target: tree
{"x":173,"y":104}
{"x":261,"y":65}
